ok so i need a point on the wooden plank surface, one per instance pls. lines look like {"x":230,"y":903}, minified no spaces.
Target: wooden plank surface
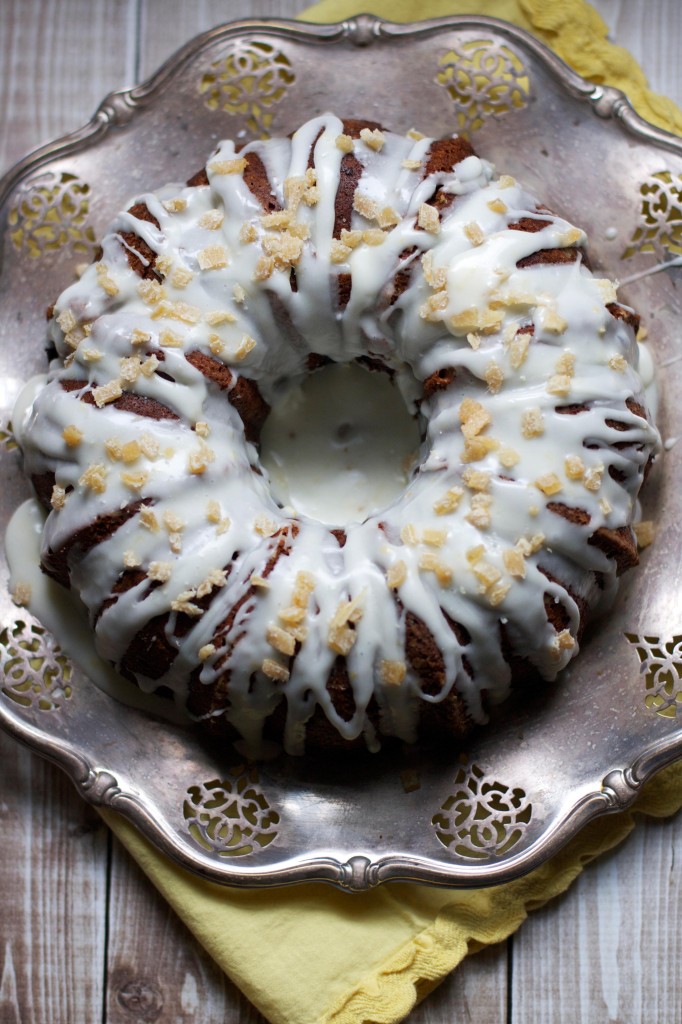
{"x":83,"y":936}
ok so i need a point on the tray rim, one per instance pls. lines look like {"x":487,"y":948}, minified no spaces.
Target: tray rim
{"x":95,"y":782}
{"x":120,"y":105}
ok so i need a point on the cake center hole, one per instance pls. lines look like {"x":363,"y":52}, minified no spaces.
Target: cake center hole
{"x":340,"y":446}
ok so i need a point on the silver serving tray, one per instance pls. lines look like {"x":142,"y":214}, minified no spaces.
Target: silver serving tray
{"x":581,"y":748}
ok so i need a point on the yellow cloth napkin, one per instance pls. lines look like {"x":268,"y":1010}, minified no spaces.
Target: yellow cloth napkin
{"x":310,"y":954}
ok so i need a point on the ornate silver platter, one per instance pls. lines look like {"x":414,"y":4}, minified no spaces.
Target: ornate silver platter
{"x":584,"y":747}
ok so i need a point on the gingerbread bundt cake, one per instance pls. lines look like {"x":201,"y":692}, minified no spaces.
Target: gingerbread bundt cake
{"x":344,"y":244}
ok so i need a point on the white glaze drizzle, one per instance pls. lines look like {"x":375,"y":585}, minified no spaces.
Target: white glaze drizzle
{"x":442,"y":557}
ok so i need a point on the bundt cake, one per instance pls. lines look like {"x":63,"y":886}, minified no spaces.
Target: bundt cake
{"x":209,"y":301}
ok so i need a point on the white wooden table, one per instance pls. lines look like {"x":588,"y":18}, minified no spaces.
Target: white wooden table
{"x":83,"y":936}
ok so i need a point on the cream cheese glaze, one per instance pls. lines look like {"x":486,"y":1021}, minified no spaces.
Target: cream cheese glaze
{"x":474,"y":539}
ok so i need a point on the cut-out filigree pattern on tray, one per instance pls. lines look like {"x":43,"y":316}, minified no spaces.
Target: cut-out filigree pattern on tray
{"x":35,"y":673}
{"x":660,"y":228}
{"x":482,"y":817}
{"x":49,"y":214}
{"x":661,"y":665}
{"x":7,"y":440}
{"x":483,"y":78}
{"x":231,"y":816}
{"x":253,"y":77}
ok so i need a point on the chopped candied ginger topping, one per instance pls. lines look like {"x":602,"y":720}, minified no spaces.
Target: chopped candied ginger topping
{"x":264,"y":526}
{"x":518,"y":350}
{"x":374,"y":236}
{"x":341,"y":635}
{"x":530,"y":545}
{"x":365,"y":206}
{"x":396,"y":575}
{"x":218,"y":317}
{"x":58,"y":498}
{"x":350,"y":238}
{"x":434,"y":537}
{"x":139,"y":337}
{"x":563,"y":641}
{"x":105,"y":281}
{"x":497,"y":206}
{"x":135,"y":481}
{"x":94,"y":478}
{"x":559,"y":384}
{"x":476,"y":479}
{"x":574,"y":467}
{"x":344,"y":143}
{"x":212,"y":220}
{"x":412,"y":165}
{"x":246,"y":345}
{"x":21,"y":594}
{"x":449,"y":502}
{"x":175,"y":205}
{"x":238,"y":294}
{"x":373,"y":138}
{"x":428,"y":219}
{"x":131,"y":560}
{"x":248,"y":233}
{"x":161,"y":572}
{"x":566,"y":363}
{"x":593,"y":477}
{"x":514,"y":562}
{"x":477,"y":448}
{"x":281,"y":640}
{"x":169,"y":339}
{"x":392,"y":672}
{"x":200,"y":459}
{"x":506,"y":181}
{"x":508,"y":457}
{"x":67,"y":321}
{"x":207,"y":651}
{"x":216,"y":344}
{"x":173,"y":522}
{"x":645,"y":532}
{"x":493,"y":376}
{"x":181,"y":277}
{"x":474,"y":233}
{"x":274,"y":670}
{"x":549,"y":484}
{"x":479,"y":511}
{"x":72,"y":435}
{"x":180,"y":310}
{"x":408,"y":535}
{"x":473,"y":417}
{"x":148,"y":519}
{"x":339,"y":252}
{"x":236,"y":166}
{"x":475,"y":554}
{"x":213,"y":257}
{"x":618,"y":363}
{"x":294,"y":188}
{"x":283,"y":249}
{"x":429,"y":562}
{"x":151,"y":292}
{"x":414,"y":134}
{"x":215,"y":580}
{"x":90,"y":355}
{"x":163,"y":265}
{"x":183,"y":603}
{"x":532,"y":422}
{"x":436,"y":277}
{"x":107,"y":393}
{"x":552,"y":322}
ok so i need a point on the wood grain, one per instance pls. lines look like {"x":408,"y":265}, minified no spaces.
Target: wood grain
{"x":83,"y":936}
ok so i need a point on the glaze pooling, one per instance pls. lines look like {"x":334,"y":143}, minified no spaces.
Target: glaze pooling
{"x":260,"y":604}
